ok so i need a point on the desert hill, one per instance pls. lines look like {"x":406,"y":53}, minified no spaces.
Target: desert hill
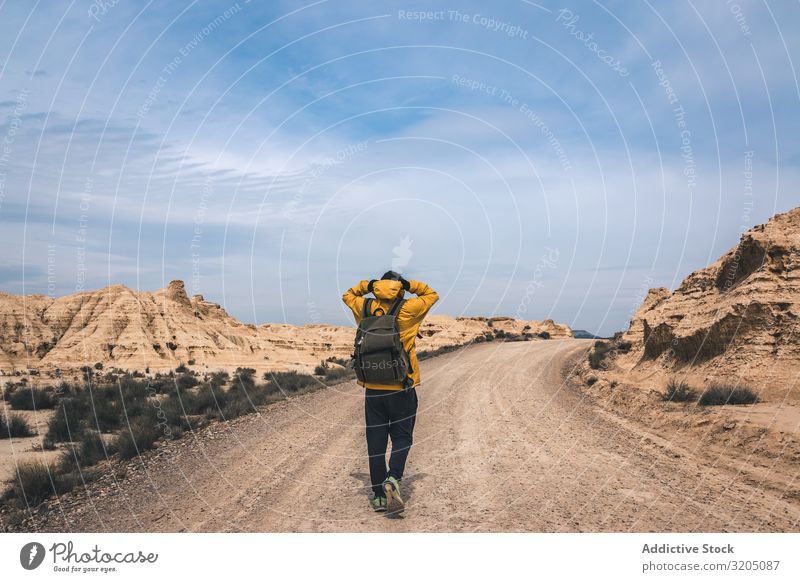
{"x":119,"y":327}
{"x":739,"y":318}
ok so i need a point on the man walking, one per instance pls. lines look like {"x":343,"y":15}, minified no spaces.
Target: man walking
{"x":390,"y":407}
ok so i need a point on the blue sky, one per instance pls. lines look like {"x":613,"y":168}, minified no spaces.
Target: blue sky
{"x":534,"y":160}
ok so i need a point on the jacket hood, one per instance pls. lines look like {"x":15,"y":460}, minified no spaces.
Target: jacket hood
{"x":387,"y":290}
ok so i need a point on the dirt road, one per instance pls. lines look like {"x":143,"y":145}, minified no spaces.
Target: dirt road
{"x":501,"y":444}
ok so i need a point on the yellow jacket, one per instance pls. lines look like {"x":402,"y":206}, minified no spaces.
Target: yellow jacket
{"x":408,"y":320}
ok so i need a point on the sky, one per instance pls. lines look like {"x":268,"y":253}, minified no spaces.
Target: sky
{"x":537,"y":160}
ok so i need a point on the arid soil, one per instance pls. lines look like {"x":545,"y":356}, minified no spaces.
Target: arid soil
{"x":504,"y":442}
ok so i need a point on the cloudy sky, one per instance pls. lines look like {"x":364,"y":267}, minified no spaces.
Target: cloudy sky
{"x":526,"y":159}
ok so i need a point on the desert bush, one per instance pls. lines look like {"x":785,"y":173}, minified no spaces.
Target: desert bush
{"x":181,"y":369}
{"x":331,"y":373}
{"x":35,"y":482}
{"x":678,"y":391}
{"x":134,"y":389}
{"x":133,"y":398}
{"x":719,"y":393}
{"x":160,"y":384}
{"x":88,"y":452}
{"x":65,"y":389}
{"x":244,"y":378}
{"x":218,"y":379}
{"x":591,"y":380}
{"x":104,"y":408}
{"x":68,"y":422}
{"x":14,"y":425}
{"x":205,"y":399}
{"x":336,"y":374}
{"x":235,"y":408}
{"x":186,"y":381}
{"x":290,"y":382}
{"x":93,"y":449}
{"x":544,"y":334}
{"x":138,"y":436}
{"x":31,"y":399}
{"x":210,"y":397}
{"x":183,"y":407}
{"x":177,"y":417}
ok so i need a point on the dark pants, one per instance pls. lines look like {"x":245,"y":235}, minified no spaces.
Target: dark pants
{"x":388,"y":413}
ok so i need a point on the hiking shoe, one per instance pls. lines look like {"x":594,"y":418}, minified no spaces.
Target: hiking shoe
{"x":394,"y":503}
{"x":378,"y":504}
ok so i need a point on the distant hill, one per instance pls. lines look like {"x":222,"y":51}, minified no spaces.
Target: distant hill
{"x":583,"y":334}
{"x":119,"y":327}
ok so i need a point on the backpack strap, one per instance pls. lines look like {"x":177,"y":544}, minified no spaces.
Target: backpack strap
{"x":367,"y":307}
{"x":397,"y":306}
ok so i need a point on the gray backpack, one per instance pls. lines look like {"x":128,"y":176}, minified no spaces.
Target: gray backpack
{"x":380,"y":357}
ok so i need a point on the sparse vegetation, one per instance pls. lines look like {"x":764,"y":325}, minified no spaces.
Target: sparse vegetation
{"x":140,"y":435}
{"x":290,"y":382}
{"x":14,"y":425}
{"x":244,"y":377}
{"x":35,"y":482}
{"x":678,"y":391}
{"x":591,"y":380}
{"x":186,"y":381}
{"x":69,"y":420}
{"x":104,"y":409}
{"x":24,"y":398}
{"x":121,"y":414}
{"x":336,"y":373}
{"x":88,"y":452}
{"x":717,"y":394}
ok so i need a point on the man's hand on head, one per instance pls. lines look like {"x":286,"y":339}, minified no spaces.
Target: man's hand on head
{"x":371,"y":285}
{"x":405,"y":283}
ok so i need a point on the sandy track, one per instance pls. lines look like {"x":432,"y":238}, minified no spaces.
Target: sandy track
{"x":502,"y":444}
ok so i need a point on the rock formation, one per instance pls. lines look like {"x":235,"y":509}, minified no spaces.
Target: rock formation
{"x":739,"y":317}
{"x":122,"y":328}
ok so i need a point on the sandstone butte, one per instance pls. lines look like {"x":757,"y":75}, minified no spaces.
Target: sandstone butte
{"x":130,"y":330}
{"x":737,"y":319}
